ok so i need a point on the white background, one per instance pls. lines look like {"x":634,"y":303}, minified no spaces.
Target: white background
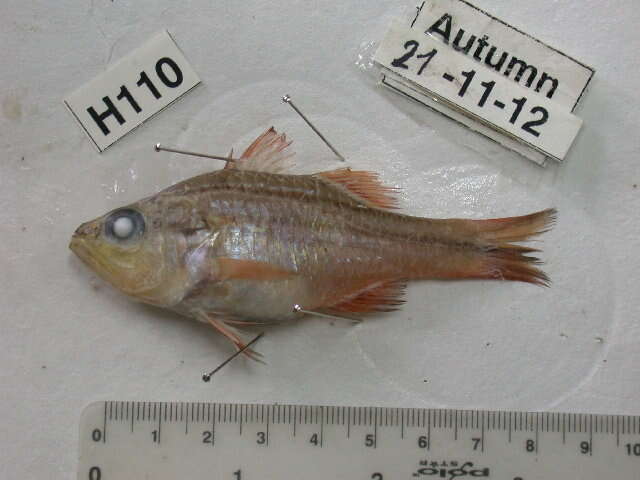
{"x":68,"y":339}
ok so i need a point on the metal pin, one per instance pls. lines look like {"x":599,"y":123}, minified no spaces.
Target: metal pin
{"x":287,"y":99}
{"x":298,"y":309}
{"x":160,"y":148}
{"x":207,"y":376}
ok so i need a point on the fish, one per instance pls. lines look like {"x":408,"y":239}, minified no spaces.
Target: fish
{"x":245,"y":244}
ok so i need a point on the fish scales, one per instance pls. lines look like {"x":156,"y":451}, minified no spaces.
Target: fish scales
{"x":245,"y":244}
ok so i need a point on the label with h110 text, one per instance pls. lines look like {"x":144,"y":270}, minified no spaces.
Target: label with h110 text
{"x":132,"y":91}
{"x":491,"y":77}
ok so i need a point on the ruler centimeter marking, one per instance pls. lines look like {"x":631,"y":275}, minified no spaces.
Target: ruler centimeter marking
{"x":122,"y":440}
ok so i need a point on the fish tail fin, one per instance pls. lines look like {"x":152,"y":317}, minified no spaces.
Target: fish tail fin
{"x":503,"y":259}
{"x":514,"y":229}
{"x":510,"y":262}
{"x":488,"y":251}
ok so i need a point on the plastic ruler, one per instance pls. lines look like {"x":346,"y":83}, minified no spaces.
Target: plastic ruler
{"x":137,"y":440}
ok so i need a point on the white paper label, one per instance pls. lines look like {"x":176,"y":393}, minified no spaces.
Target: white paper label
{"x":137,"y":87}
{"x":502,"y":48}
{"x":398,"y":84}
{"x":511,"y":86}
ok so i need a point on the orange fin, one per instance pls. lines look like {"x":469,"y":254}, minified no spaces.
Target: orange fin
{"x":267,"y":153}
{"x":384,"y":296}
{"x":497,"y":258}
{"x":514,"y":229}
{"x":231,"y":334}
{"x":510,"y":262}
{"x":234,"y":269}
{"x":507,"y":261}
{"x":364,"y":186}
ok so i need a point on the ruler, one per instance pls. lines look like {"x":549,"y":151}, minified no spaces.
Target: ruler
{"x":155,"y":440}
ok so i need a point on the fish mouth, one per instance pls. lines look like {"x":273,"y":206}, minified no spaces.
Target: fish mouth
{"x":79,"y":242}
{"x":85,"y":250}
{"x":78,"y":245}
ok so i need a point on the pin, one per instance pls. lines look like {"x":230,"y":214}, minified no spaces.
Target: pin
{"x":160,"y":148}
{"x":287,"y":99}
{"x":298,"y":309}
{"x":207,"y":376}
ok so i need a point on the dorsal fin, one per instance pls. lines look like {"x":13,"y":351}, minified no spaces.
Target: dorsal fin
{"x":267,"y":153}
{"x":363,"y":185}
{"x":382,"y":296}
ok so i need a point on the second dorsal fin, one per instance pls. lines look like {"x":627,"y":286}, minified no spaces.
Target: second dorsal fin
{"x":363,"y":185}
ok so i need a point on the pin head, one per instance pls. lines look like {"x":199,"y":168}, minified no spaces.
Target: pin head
{"x":206,"y":377}
{"x":286,"y":98}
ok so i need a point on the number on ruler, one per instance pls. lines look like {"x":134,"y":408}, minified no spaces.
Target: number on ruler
{"x":585,"y":447}
{"x":633,"y":449}
{"x":95,"y":473}
{"x":369,"y":440}
{"x":530,"y":445}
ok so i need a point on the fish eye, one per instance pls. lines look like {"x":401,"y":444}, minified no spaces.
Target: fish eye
{"x":124,"y":224}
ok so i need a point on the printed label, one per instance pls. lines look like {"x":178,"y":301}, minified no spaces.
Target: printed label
{"x":132,"y":91}
{"x":399,"y":85}
{"x":502,"y":48}
{"x":505,"y":84}
{"x":456,"y":79}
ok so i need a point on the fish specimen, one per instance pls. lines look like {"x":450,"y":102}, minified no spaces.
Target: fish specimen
{"x":252,"y":245}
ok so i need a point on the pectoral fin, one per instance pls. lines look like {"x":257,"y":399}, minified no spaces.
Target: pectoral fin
{"x":235,"y":269}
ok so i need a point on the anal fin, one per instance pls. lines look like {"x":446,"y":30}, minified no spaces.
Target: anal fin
{"x":382,"y":296}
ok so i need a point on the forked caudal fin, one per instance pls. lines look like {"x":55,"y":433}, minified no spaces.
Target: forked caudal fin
{"x":515,"y":229}
{"x":483,"y":249}
{"x":504,"y":260}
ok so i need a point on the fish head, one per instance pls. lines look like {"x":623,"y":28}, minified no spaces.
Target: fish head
{"x":128,"y":248}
